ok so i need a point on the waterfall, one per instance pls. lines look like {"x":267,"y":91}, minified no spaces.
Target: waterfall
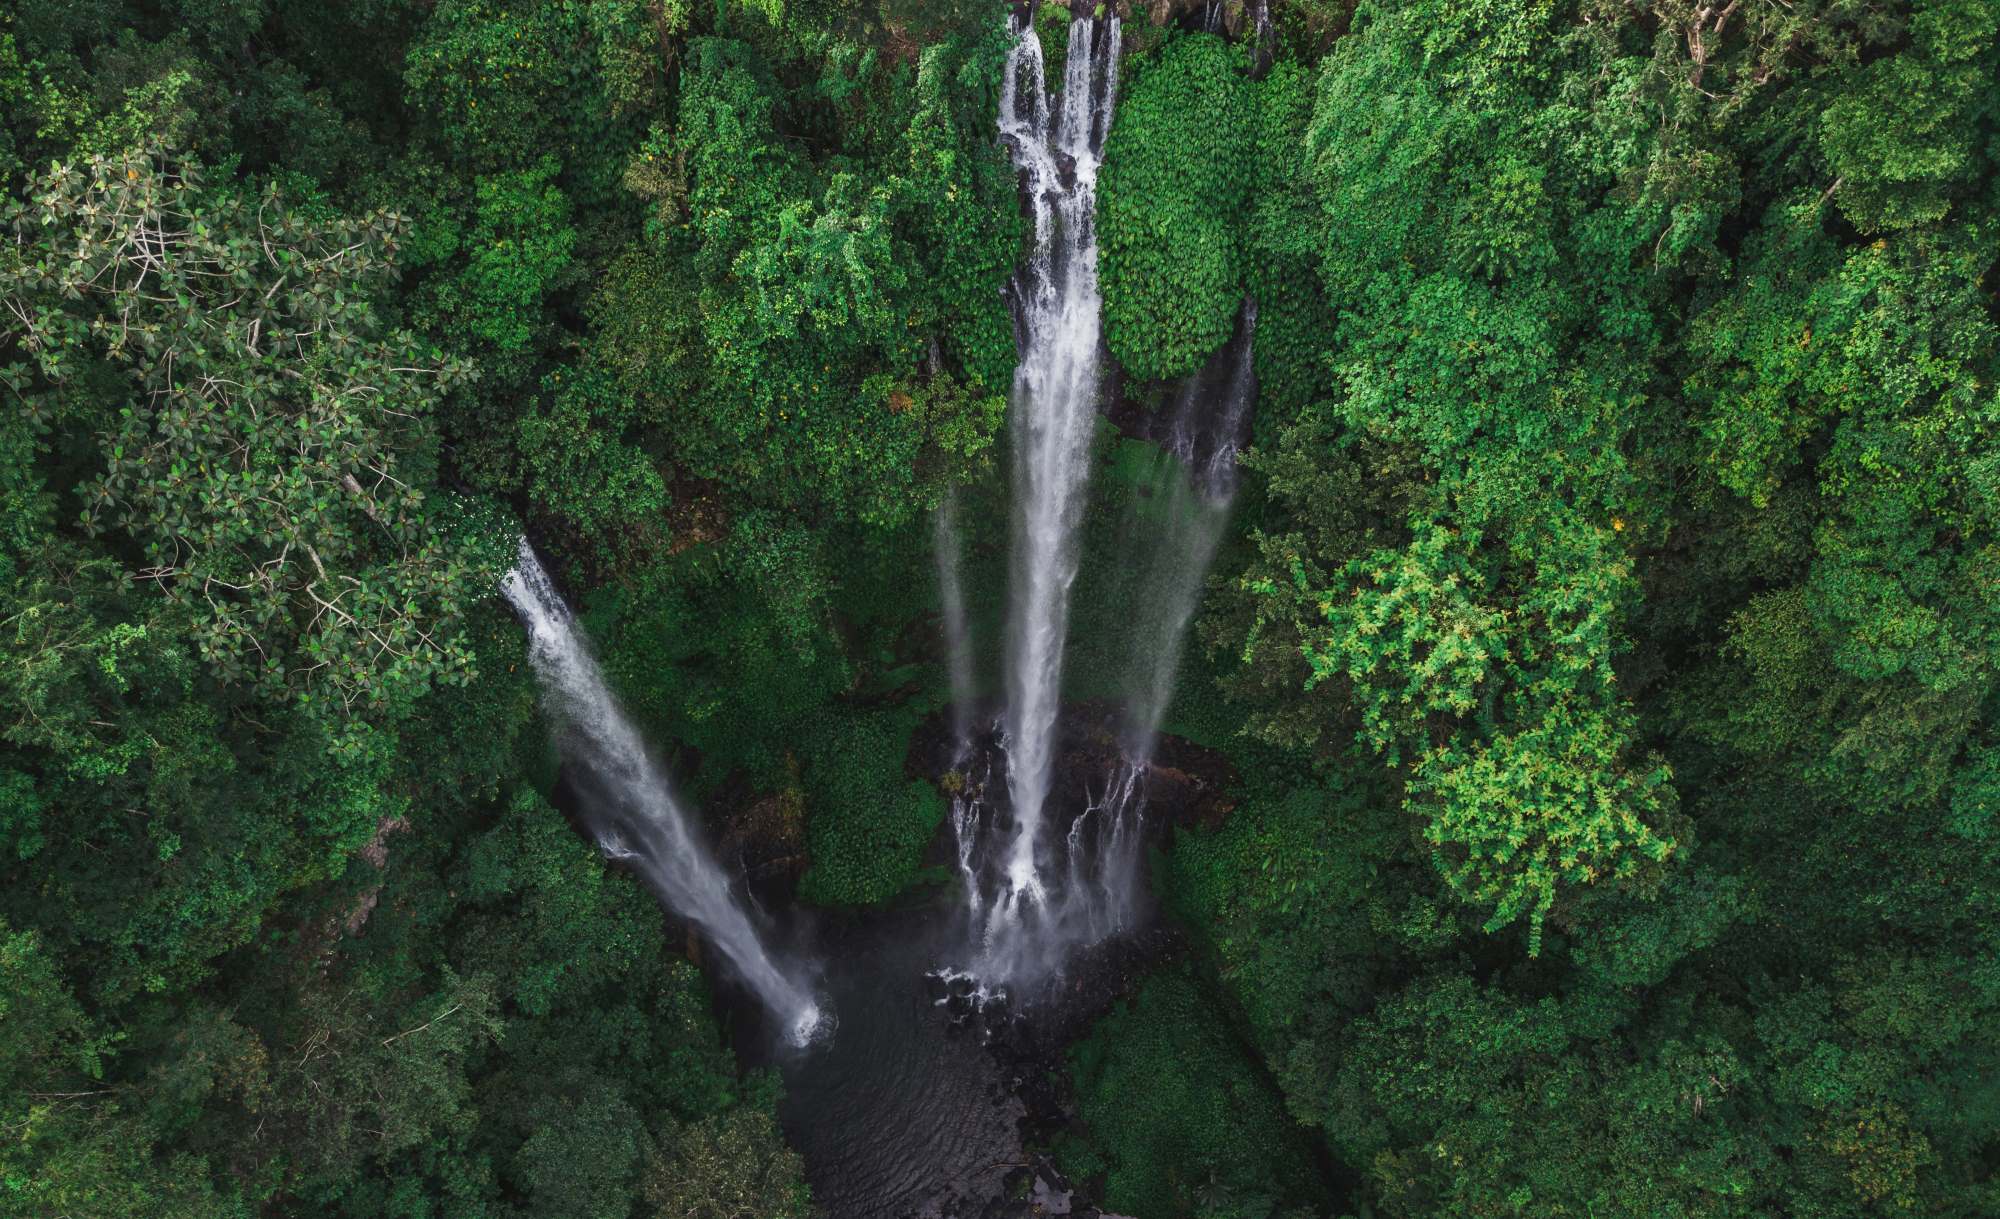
{"x":1033,"y":893}
{"x":1056,"y":144}
{"x":633,"y":812}
{"x":957,"y":633}
{"x":958,"y":649}
{"x":1192,"y":485}
{"x":1186,"y":499}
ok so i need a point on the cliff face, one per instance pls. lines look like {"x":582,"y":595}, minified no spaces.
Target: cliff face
{"x":1186,"y":785}
{"x":765,"y":839}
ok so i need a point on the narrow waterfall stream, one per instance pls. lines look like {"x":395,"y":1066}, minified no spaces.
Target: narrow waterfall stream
{"x":629,"y":807}
{"x":1184,"y":508}
{"x":957,"y":630}
{"x":1189,"y":492}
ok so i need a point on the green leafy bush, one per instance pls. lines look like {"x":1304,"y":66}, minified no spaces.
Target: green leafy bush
{"x":581,"y":471}
{"x":1179,"y":1115}
{"x":866,"y":825}
{"x":1171,"y":202}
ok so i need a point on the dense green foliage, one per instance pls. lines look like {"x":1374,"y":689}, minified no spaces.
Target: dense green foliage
{"x":866,"y":824}
{"x":1606,"y":644}
{"x":1176,"y":182}
{"x":306,"y":307}
{"x":1621,"y":576}
{"x":1211,"y":1135}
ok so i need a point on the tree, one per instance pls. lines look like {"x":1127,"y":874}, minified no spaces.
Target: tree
{"x":730,"y":1167}
{"x":268,"y":467}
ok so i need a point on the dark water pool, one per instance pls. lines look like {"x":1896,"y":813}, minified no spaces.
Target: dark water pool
{"x":905,"y":1111}
{"x":920,"y":1106}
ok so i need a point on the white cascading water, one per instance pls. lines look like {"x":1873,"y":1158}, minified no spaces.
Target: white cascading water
{"x":1180,"y":514}
{"x":957,"y":631}
{"x":633,"y":812}
{"x":1192,"y":487}
{"x":1056,"y":143}
{"x":958,"y":657}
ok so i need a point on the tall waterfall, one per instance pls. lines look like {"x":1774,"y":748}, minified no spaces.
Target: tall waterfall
{"x":1039,"y":884}
{"x":632,"y":811}
{"x":1092,"y":884}
{"x":1056,"y":143}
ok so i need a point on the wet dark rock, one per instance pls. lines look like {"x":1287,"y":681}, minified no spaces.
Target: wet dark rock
{"x":1066,"y":170}
{"x":1187,"y":785}
{"x":764,"y":841}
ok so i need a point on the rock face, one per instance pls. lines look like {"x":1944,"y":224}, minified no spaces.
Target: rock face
{"x":765,"y":840}
{"x":376,"y":852}
{"x":1187,"y":785}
